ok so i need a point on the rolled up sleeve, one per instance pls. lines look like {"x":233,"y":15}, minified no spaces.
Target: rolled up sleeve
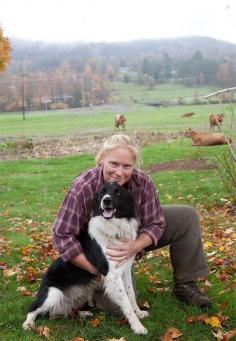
{"x":151,"y":217}
{"x":67,"y":226}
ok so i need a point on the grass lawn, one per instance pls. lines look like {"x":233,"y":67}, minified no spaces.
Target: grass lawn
{"x":100,"y":120}
{"x":167,"y":91}
{"x":31,"y":192}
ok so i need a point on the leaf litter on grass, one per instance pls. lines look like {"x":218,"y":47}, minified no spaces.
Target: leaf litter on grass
{"x":218,"y":231}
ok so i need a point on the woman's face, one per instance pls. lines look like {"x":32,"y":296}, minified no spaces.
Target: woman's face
{"x":118,"y":165}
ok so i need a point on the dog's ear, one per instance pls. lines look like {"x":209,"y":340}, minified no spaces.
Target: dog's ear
{"x":96,"y":204}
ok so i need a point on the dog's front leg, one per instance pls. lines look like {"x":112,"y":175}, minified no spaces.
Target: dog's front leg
{"x":129,"y":288}
{"x":114,"y":288}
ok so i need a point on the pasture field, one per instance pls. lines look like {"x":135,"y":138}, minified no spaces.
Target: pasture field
{"x":31,"y":192}
{"x":100,"y":120}
{"x":127,"y":92}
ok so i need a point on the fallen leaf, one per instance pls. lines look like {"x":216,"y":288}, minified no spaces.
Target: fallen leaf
{"x":224,"y":336}
{"x":208,"y":245}
{"x":171,"y":335}
{"x":122,"y":321}
{"x":10,"y":272}
{"x":24,"y":292}
{"x":3,"y":265}
{"x":31,"y":274}
{"x":192,"y":319}
{"x":121,"y":339}
{"x":150,"y":290}
{"x":144,"y":304}
{"x":214,"y":321}
{"x":42,"y":331}
{"x":77,"y":338}
{"x":95,"y":323}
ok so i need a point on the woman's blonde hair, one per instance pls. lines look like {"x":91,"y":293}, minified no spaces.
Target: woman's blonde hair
{"x":116,"y":141}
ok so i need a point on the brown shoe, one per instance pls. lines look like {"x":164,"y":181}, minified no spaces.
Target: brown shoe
{"x":190,"y":294}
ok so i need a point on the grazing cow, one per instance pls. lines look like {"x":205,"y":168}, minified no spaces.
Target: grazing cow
{"x":216,"y":120}
{"x":206,"y":139}
{"x":120,"y":120}
{"x":188,"y":114}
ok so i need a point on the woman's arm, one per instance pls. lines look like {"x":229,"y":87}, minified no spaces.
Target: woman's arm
{"x":82,"y":262}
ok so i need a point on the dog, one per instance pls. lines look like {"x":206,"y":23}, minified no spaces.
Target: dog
{"x":66,"y":288}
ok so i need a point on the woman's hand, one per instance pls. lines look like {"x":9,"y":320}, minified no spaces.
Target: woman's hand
{"x":124,"y":248}
{"x":122,"y":251}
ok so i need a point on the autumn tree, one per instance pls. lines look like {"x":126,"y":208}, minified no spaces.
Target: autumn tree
{"x":4,"y":50}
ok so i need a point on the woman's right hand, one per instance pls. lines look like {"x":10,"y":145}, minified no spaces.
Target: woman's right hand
{"x":82,"y":262}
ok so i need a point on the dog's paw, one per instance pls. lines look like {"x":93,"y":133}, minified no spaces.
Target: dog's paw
{"x":27,"y":325}
{"x":140,"y":329}
{"x":85,"y":314}
{"x":142,"y":314}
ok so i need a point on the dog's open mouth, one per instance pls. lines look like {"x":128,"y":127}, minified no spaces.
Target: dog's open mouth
{"x":108,"y":213}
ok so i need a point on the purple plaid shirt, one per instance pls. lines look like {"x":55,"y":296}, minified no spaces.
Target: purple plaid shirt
{"x":75,"y":211}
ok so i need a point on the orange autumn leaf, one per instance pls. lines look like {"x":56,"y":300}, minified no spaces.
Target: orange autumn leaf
{"x":171,"y":335}
{"x":95,"y":323}
{"x":78,"y":338}
{"x":4,"y":51}
{"x":150,"y":290}
{"x":42,"y":331}
{"x":122,"y":321}
{"x":31,"y":274}
{"x":200,"y":318}
{"x":144,"y":304}
{"x":26,"y":250}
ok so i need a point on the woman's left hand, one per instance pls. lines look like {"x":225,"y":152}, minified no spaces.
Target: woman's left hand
{"x":122,"y":251}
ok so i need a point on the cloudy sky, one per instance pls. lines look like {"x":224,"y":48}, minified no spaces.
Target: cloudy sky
{"x":117,"y":20}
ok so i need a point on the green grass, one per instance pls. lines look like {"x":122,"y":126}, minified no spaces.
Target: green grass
{"x":128,"y":92}
{"x":32,"y":190}
{"x":99,"y":120}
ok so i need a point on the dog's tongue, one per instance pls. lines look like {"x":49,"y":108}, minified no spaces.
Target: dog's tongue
{"x":107,"y":213}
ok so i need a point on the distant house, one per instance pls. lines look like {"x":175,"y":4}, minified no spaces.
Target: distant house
{"x":123,"y":69}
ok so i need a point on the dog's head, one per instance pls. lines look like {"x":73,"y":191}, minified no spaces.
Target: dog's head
{"x":113,"y":201}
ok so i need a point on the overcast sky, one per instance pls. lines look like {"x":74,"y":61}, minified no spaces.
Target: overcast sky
{"x":117,"y":20}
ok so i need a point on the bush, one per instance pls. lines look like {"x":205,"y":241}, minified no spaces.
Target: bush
{"x":226,"y":164}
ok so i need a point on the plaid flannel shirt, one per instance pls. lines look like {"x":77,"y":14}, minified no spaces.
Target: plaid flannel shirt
{"x":75,"y":211}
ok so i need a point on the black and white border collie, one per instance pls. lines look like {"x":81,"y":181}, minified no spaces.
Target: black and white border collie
{"x":66,"y":287}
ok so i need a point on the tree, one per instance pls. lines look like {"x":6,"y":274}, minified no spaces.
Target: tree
{"x":4,"y":51}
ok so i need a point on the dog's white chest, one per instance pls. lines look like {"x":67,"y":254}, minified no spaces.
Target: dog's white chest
{"x":108,"y":231}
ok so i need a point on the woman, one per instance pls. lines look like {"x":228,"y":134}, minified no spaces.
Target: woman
{"x":177,"y":226}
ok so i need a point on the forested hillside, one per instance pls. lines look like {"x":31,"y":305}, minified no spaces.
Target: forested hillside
{"x":80,"y":74}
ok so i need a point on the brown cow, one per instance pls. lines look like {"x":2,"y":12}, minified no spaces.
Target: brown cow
{"x":206,"y":139}
{"x":120,"y":120}
{"x":188,"y":114}
{"x":216,"y":120}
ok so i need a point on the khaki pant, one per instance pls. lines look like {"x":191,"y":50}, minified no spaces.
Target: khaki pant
{"x":186,"y":252}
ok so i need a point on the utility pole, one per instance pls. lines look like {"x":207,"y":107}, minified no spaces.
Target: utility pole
{"x":82,"y":90}
{"x":23,"y":93}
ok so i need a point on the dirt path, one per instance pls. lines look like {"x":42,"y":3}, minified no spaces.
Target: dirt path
{"x":62,"y":146}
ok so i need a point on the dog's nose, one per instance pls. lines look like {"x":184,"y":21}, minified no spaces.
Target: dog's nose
{"x":107,"y":200}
